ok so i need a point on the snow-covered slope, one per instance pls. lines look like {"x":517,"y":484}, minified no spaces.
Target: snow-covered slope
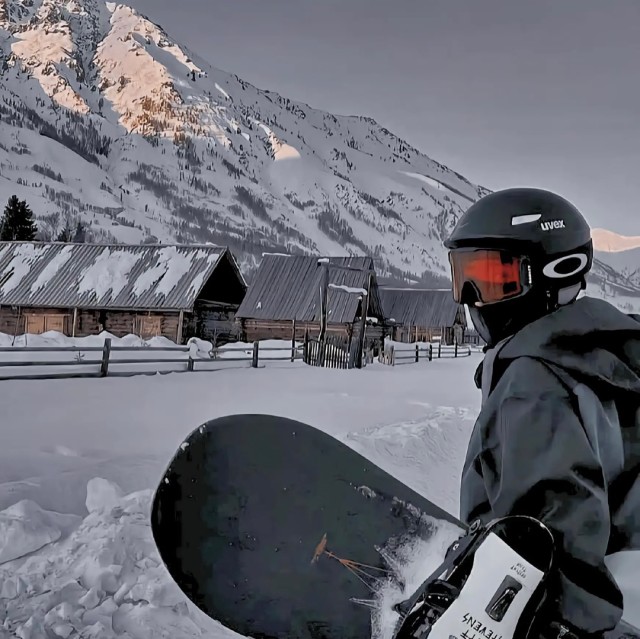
{"x":616,"y":272}
{"x":105,"y":118}
{"x":626,"y":263}
{"x":622,"y":289}
{"x":620,"y":252}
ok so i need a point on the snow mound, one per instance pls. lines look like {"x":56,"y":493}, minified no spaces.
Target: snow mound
{"x":419,"y":451}
{"x":104,"y":580}
{"x":55,"y":338}
{"x":25,"y":527}
{"x":199,"y":348}
{"x":102,"y":494}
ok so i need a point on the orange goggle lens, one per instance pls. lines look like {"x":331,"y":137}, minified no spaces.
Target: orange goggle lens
{"x":492,"y":274}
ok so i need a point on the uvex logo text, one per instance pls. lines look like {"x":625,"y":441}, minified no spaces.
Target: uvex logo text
{"x":552,"y":224}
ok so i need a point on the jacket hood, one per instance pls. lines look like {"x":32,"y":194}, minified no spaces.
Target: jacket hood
{"x":589,"y":338}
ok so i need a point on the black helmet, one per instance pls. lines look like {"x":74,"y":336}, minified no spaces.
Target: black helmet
{"x":516,"y":255}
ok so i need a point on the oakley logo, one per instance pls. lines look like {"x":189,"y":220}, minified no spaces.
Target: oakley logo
{"x":552,"y":224}
{"x":566,"y":266}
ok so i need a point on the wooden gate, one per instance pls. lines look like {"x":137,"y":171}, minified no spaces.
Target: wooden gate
{"x":333,"y":352}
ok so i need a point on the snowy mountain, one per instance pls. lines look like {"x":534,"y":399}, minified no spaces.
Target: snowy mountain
{"x":620,"y":288}
{"x":616,"y":272}
{"x":619,"y":252}
{"x":626,"y":263}
{"x":106,"y":118}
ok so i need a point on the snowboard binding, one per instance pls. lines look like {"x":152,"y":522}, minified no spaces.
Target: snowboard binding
{"x":490,"y":585}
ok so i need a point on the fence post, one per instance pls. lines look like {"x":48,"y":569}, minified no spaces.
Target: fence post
{"x":254,"y":360}
{"x":190,"y":364}
{"x":430,"y":352}
{"x":106,"y":352}
{"x":455,"y":349}
{"x":440,"y":348}
{"x":293,"y":341}
{"x":417,"y":352}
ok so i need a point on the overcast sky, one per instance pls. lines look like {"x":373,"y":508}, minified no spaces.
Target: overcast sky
{"x":507,"y":92}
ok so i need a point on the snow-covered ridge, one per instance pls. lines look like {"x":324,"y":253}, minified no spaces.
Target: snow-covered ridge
{"x":609,"y":242}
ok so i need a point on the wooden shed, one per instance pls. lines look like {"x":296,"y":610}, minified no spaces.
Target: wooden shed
{"x":173,"y":291}
{"x":422,"y":315}
{"x":285,"y":298}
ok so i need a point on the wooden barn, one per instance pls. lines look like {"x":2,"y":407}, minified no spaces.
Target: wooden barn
{"x":422,"y":315}
{"x":285,"y":297}
{"x":172,"y":291}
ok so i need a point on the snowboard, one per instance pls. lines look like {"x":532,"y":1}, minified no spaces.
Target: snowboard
{"x":278,"y":530}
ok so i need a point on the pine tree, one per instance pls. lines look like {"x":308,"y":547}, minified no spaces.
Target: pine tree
{"x":64,"y":235}
{"x":80,"y":235}
{"x":17,"y":221}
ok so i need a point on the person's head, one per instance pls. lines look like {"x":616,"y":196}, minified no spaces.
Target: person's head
{"x":516,"y":255}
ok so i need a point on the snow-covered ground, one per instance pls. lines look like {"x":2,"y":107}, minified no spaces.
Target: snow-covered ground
{"x":79,"y":459}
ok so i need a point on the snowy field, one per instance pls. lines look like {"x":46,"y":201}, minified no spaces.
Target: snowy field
{"x":79,"y":459}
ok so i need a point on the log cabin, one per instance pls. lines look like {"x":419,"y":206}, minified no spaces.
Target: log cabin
{"x":284,"y":299}
{"x":174,"y":291}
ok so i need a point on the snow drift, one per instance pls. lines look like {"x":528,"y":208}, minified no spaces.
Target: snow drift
{"x":103,"y":579}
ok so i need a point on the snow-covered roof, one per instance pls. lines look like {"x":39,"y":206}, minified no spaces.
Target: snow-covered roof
{"x":287,"y":287}
{"x":64,"y":275}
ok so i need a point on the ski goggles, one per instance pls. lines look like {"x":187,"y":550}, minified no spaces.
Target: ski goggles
{"x":493,"y":275}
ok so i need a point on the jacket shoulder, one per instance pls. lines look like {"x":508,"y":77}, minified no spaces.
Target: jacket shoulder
{"x":525,"y":376}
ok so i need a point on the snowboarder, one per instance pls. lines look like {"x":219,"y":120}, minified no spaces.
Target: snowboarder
{"x":558,"y":434}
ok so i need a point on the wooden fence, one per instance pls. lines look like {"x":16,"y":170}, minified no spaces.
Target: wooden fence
{"x":104,"y":361}
{"x":391,"y":356}
{"x":101,"y":362}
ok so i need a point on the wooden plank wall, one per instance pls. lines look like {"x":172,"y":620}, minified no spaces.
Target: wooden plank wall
{"x":410,"y":334}
{"x":253,"y":330}
{"x":90,"y":322}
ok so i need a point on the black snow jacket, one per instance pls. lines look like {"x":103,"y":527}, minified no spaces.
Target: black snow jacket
{"x":558,"y":438}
